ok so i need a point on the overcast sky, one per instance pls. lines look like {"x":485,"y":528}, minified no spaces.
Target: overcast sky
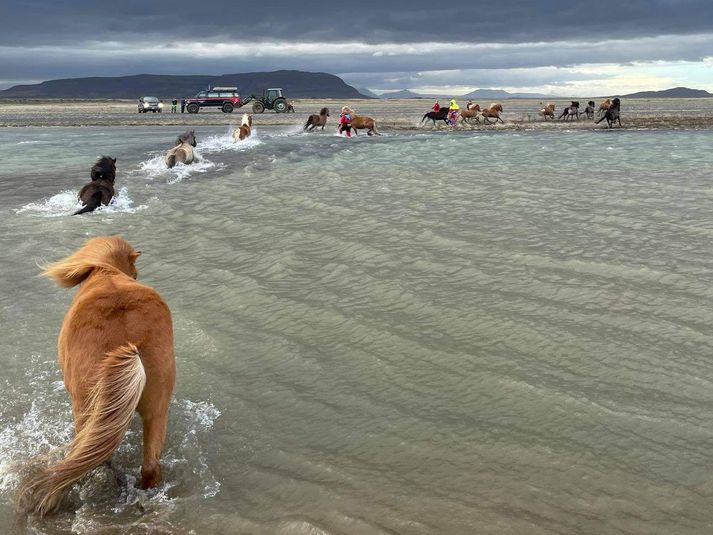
{"x":558,"y":47}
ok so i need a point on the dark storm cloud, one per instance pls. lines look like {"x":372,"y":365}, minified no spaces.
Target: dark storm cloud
{"x":55,"y":22}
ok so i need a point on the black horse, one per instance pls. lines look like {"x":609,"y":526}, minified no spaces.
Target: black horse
{"x":101,"y":189}
{"x":440,"y":115}
{"x":612,"y":114}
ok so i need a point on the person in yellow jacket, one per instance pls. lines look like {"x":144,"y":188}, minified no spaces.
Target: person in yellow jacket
{"x":453,"y":111}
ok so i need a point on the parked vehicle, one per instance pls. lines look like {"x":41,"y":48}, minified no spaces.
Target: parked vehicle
{"x":271,"y":99}
{"x":228,"y":98}
{"x":225,"y":98}
{"x":147,"y":104}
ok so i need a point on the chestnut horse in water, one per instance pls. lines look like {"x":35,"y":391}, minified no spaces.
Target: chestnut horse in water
{"x":101,"y":189}
{"x":472,"y":112}
{"x":493,"y":111}
{"x":116,"y":354}
{"x":361,"y":122}
{"x":313,"y":121}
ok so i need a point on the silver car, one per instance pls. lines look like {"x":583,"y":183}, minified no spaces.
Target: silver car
{"x":147,"y":104}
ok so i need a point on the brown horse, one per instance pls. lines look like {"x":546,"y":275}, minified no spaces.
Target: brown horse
{"x":548,"y":111}
{"x":362,"y":122}
{"x":183,"y":151}
{"x":101,"y":189}
{"x":494,"y":110}
{"x":472,"y":112}
{"x":313,"y":121}
{"x":116,"y":354}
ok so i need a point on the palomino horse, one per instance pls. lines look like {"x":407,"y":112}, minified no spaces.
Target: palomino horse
{"x":548,"y":111}
{"x":116,"y":354}
{"x":362,"y":122}
{"x":245,"y":128}
{"x":313,"y":121}
{"x":183,"y":151}
{"x":472,"y":112}
{"x":101,"y":189}
{"x":493,"y":111}
{"x":440,"y":115}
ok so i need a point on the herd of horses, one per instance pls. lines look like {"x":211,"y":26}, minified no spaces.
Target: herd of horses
{"x":358,"y":122}
{"x":116,"y":342}
{"x":608,"y":110}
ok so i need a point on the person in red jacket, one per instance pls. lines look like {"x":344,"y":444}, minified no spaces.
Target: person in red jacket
{"x":436,"y":107}
{"x":345,"y":120}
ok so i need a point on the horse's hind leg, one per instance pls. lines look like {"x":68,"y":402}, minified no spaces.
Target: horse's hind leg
{"x":154,"y":437}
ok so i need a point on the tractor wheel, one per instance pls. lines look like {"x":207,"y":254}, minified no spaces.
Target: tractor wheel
{"x":227,"y":107}
{"x":193,"y":107}
{"x":258,"y":107}
{"x":279,"y":105}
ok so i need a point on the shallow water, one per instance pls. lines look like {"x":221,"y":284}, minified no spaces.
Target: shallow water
{"x":419,"y":333}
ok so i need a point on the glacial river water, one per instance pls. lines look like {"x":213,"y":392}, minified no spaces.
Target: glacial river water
{"x":418,"y":333}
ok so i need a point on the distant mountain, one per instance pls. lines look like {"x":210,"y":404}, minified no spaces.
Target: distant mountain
{"x":364,"y":91}
{"x":295,"y":84}
{"x":478,"y":94}
{"x":404,"y":93}
{"x":495,"y":94}
{"x":675,"y":92}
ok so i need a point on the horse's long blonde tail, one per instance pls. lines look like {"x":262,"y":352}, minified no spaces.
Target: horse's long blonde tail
{"x":108,"y":414}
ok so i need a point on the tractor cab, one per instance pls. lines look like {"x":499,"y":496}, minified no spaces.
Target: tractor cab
{"x":273,"y":93}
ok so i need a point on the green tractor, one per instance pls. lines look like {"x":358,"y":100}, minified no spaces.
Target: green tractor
{"x":271,"y":99}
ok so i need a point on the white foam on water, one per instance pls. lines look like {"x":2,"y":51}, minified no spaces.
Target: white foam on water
{"x":225,"y":142}
{"x":155,"y":168}
{"x":45,"y":423}
{"x":67,"y":202}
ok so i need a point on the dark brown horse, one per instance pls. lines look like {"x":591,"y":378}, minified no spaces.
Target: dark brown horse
{"x":101,"y":189}
{"x":313,"y":121}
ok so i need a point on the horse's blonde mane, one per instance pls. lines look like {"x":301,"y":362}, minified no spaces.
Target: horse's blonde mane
{"x":107,"y":252}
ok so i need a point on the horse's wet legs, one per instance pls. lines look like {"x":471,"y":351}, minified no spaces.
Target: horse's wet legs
{"x":154,"y":437}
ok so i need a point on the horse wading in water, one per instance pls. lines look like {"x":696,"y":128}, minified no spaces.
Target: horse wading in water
{"x":440,"y":115}
{"x":363,"y":122}
{"x":313,"y":121}
{"x":101,"y":189}
{"x":548,"y":111}
{"x":493,"y":111}
{"x":612,"y":114}
{"x":183,"y":151}
{"x":472,"y":112}
{"x":116,"y":354}
{"x":245,"y":128}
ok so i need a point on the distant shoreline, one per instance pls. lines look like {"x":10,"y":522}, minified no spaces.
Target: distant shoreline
{"x":391,"y":114}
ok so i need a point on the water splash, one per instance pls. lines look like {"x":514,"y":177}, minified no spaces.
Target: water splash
{"x":67,"y":202}
{"x":225,"y":142}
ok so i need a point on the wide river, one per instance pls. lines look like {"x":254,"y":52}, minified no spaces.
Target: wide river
{"x":420,"y":333}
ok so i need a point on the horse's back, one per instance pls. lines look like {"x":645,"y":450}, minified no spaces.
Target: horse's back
{"x":111,"y":310}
